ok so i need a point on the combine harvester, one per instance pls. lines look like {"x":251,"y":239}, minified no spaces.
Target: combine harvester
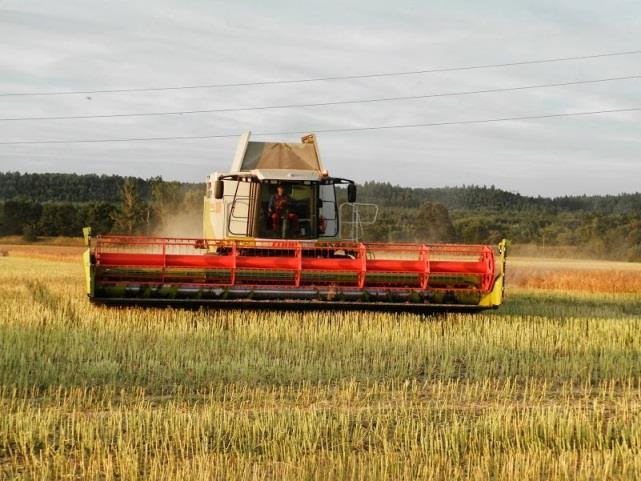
{"x":272,"y":237}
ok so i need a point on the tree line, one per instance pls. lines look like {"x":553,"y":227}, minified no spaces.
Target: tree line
{"x":141,"y":207}
{"x":61,"y":204}
{"x":596,"y":234}
{"x":78,"y":188}
{"x":67,"y":187}
{"x":477,"y":198}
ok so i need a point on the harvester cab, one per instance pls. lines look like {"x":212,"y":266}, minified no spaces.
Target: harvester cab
{"x":274,"y":190}
{"x":273,"y":237}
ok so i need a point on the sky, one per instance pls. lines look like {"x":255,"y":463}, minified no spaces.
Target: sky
{"x":70,"y":45}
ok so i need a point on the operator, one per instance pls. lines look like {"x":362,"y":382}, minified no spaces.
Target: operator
{"x":279,"y":209}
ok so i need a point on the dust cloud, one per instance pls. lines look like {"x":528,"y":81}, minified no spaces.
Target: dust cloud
{"x":181,"y":224}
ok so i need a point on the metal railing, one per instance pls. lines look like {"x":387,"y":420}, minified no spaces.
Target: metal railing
{"x":360,"y":215}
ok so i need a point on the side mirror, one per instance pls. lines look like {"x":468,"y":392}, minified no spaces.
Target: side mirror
{"x":351,"y":193}
{"x":219,"y":189}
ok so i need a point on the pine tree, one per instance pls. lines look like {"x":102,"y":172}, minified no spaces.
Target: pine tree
{"x":133,"y":213}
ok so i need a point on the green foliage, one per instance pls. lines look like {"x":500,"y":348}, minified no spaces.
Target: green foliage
{"x":166,"y":198}
{"x":433,"y":223}
{"x":86,"y":188}
{"x":16,"y":214}
{"x":65,"y":187}
{"x":98,"y":215}
{"x":608,"y":227}
{"x":491,"y":198}
{"x":60,"y":204}
{"x":29,"y":233}
{"x":59,"y":219}
{"x":132,"y":217}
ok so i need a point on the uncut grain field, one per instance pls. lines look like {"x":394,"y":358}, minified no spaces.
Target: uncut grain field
{"x":546,"y":388}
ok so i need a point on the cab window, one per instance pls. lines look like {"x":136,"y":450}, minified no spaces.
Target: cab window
{"x":286,"y":210}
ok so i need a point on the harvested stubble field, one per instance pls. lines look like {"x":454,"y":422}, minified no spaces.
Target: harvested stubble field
{"x":549,"y":387}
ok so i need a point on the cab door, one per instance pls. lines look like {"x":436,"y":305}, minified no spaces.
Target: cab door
{"x":241,"y":208}
{"x":328,"y":211}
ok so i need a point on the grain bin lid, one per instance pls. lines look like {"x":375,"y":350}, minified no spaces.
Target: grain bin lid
{"x":252,"y":155}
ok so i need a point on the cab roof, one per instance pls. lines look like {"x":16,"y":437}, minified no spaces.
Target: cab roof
{"x":289,"y":176}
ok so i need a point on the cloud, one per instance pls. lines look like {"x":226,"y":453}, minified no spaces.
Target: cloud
{"x":100,"y":45}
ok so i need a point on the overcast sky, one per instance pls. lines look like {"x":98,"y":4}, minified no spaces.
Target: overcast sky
{"x":91,"y":45}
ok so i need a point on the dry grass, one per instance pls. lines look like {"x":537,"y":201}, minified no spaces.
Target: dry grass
{"x":62,"y":253}
{"x":43,"y":241}
{"x":384,"y":430}
{"x":575,"y":275}
{"x":594,"y":281}
{"x":547,"y":388}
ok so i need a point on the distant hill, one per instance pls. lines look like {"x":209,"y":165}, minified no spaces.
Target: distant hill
{"x":490,"y":198}
{"x":106,"y":188}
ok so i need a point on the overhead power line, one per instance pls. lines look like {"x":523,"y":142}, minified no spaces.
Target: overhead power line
{"x":335,"y":130}
{"x":328,"y":78}
{"x":323,"y":104}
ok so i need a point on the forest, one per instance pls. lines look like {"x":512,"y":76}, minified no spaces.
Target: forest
{"x":34,"y":205}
